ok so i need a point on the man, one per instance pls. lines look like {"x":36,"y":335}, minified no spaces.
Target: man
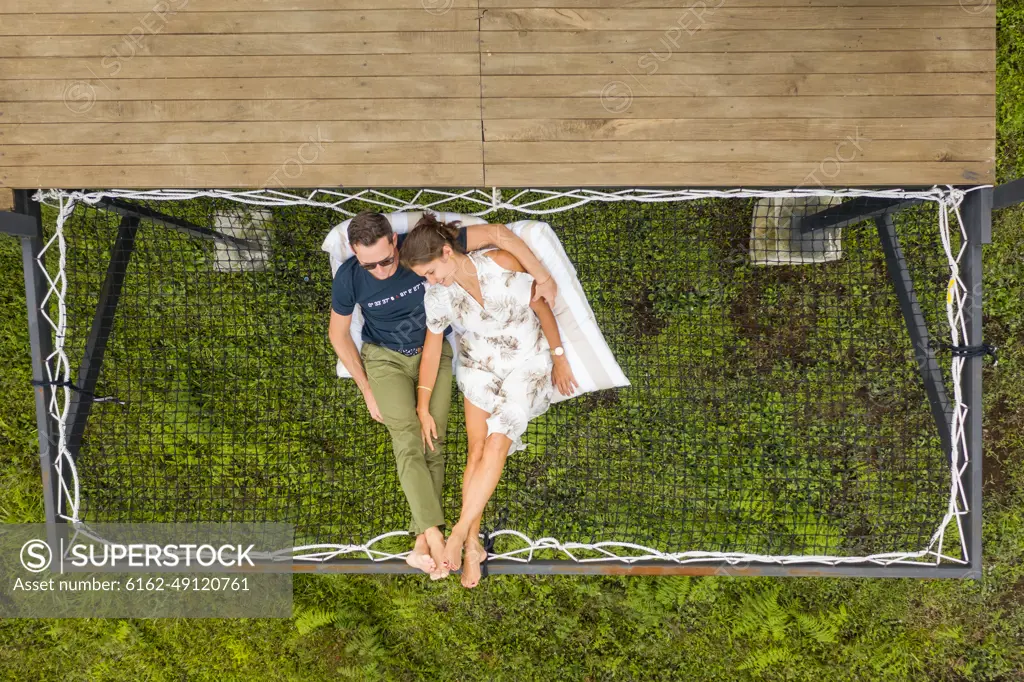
{"x":387,"y":369}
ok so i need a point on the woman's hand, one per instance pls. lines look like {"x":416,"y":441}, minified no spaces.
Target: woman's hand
{"x":562,"y":376}
{"x":428,"y":429}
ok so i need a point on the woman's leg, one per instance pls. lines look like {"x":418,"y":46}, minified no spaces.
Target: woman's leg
{"x":477,"y":490}
{"x":524,"y":394}
{"x":476,"y":432}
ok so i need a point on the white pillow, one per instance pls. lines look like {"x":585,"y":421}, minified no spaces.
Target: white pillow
{"x":592,"y":362}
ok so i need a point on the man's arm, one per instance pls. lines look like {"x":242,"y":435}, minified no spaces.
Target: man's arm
{"x":499,"y":236}
{"x":341,"y":338}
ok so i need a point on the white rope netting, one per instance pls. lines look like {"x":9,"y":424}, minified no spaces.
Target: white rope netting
{"x":532,"y":202}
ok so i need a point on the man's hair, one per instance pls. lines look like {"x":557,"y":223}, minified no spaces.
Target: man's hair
{"x":367,"y":228}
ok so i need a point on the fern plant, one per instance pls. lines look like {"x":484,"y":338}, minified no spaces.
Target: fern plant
{"x":307,"y":620}
{"x":822,"y":629}
{"x":759,"y":661}
{"x":761,"y":616}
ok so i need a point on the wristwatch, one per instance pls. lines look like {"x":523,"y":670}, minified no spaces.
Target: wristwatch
{"x":558,"y":351}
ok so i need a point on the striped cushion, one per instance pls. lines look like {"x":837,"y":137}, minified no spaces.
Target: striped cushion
{"x":591,"y":360}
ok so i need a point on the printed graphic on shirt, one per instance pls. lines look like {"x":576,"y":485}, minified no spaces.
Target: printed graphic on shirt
{"x":389,"y":299}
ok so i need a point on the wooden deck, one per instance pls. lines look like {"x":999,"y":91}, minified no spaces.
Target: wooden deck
{"x":510,"y":93}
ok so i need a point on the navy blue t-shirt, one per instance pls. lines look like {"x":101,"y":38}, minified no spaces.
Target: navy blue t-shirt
{"x":393,"y":315}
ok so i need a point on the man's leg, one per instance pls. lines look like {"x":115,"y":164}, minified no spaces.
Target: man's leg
{"x":392,"y":379}
{"x":440,"y":407}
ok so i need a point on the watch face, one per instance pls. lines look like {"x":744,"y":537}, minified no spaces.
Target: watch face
{"x":559,"y":351}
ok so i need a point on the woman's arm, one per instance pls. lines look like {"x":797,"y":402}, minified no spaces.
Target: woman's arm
{"x":561,"y":373}
{"x":429,"y":364}
{"x":430,"y":361}
{"x":499,"y":236}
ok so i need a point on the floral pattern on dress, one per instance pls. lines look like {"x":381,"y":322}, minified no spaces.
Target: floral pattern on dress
{"x":504,"y":363}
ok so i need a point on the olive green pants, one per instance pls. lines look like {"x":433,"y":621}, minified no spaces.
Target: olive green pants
{"x":393,"y":380}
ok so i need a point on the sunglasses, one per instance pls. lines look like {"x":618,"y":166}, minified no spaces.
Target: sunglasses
{"x":383,"y":263}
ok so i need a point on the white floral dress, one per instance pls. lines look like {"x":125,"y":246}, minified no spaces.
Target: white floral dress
{"x":504,"y":362}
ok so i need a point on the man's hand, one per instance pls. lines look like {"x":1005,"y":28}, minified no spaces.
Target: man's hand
{"x":547,"y":290}
{"x":371,"y":405}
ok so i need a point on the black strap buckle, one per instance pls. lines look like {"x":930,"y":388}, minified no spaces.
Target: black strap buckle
{"x":91,"y":396}
{"x":978,"y":351}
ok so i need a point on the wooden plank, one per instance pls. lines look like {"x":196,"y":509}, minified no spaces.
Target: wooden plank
{"x":127,"y":47}
{"x":503,"y":86}
{"x":76,"y":68}
{"x":318,"y":149}
{"x":622,"y":105}
{"x":6,"y":200}
{"x":735,"y":129}
{"x":144,"y":7}
{"x":762,"y":85}
{"x":237,"y":23}
{"x":922,"y":61}
{"x":861,"y":149}
{"x":241,"y":110}
{"x":146,"y":177}
{"x":705,"y":18}
{"x":437,"y":6}
{"x":265,"y":89}
{"x":740,"y":174}
{"x":715,"y":5}
{"x":230,"y":132}
{"x":738,"y":41}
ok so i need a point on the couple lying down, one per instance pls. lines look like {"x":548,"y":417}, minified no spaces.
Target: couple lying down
{"x":486,"y":281}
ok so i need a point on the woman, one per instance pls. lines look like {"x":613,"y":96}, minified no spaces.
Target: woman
{"x":510,"y":360}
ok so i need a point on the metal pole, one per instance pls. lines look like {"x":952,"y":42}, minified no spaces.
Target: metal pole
{"x":976,"y":212}
{"x":568,"y":567}
{"x":102,"y":324}
{"x":126,"y":209}
{"x":851,"y":212}
{"x":917,"y":328}
{"x":41,"y":343}
{"x":1009,"y":194}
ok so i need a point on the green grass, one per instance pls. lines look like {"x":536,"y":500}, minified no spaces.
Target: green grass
{"x":368,"y":628}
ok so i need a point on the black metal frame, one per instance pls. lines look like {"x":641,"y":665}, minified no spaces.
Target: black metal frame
{"x":136,"y":211}
{"x":917,"y":328}
{"x":26,"y":224}
{"x":850,"y":212}
{"x":102,"y":325}
{"x":1007,"y":195}
{"x":976,"y":213}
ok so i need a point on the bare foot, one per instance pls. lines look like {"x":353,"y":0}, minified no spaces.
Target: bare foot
{"x":434,"y":540}
{"x":453,"y":549}
{"x":419,"y":558}
{"x":475,"y":556}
